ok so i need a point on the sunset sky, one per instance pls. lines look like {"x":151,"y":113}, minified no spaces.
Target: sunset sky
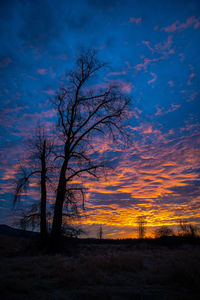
{"x":153,"y":48}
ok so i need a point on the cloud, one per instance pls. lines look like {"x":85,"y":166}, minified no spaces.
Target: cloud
{"x":163,"y":47}
{"x":178,"y":26}
{"x":162,"y":111}
{"x":135,"y":20}
{"x":188,"y":190}
{"x":117,"y":73}
{"x":146,"y":62}
{"x":41,"y":71}
{"x":49,"y":92}
{"x":192,"y":75}
{"x":171,"y":83}
{"x":150,"y":182}
{"x":153,"y":79}
{"x":126,"y":86}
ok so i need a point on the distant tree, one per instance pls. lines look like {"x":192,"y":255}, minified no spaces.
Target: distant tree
{"x":37,"y":166}
{"x":100,"y":233}
{"x":70,"y":231}
{"x":188,"y":230}
{"x":163,"y":231}
{"x":141,"y":220}
{"x":84,"y":111}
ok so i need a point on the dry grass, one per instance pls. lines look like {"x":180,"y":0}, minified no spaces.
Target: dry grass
{"x":100,"y":272}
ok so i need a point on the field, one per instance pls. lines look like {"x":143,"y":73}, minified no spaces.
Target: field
{"x":99,"y":271}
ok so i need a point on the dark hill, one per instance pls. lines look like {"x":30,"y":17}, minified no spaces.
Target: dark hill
{"x":10,"y":231}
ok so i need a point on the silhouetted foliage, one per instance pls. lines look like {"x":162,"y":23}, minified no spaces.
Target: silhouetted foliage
{"x":84,"y":112}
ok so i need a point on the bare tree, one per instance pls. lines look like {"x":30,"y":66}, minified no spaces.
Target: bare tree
{"x":84,"y":112}
{"x":141,"y":220}
{"x":163,"y":231}
{"x":100,"y":233}
{"x":188,"y":230}
{"x":38,"y":165}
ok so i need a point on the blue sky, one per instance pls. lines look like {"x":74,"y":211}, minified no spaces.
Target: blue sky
{"x":153,"y":49}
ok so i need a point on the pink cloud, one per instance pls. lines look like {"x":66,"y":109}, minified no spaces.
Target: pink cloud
{"x":146,"y":62}
{"x":49,"y":92}
{"x":137,"y":112}
{"x":123,"y":72}
{"x":126,"y":86}
{"x":42,"y":71}
{"x":148,"y":129}
{"x":171,"y":83}
{"x":147,"y":43}
{"x":135,"y":20}
{"x":122,"y":84}
{"x":172,"y":27}
{"x":192,"y":75}
{"x":173,"y":107}
{"x":163,"y":48}
{"x":182,"y":57}
{"x":165,"y":45}
{"x":177,"y":26}
{"x":143,"y":65}
{"x":153,"y":79}
{"x":161,"y":111}
{"x":192,"y":96}
{"x":171,"y":131}
{"x":117,"y":73}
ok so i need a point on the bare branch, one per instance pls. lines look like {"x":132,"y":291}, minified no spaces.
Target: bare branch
{"x":88,"y":170}
{"x":22,"y":184}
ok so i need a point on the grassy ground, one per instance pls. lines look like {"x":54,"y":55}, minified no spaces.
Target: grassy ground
{"x":99,"y":271}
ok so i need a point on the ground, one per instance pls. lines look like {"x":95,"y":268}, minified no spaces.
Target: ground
{"x":99,"y":271}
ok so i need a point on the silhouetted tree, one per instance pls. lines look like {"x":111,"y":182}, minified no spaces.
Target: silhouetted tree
{"x":163,"y":231}
{"x":84,"y":111}
{"x":38,"y":165}
{"x":71,"y":231}
{"x":141,"y":220}
{"x":188,"y":230}
{"x":100,"y":233}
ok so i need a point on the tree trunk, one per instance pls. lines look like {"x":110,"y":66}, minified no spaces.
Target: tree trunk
{"x":43,"y":225}
{"x":60,"y":198}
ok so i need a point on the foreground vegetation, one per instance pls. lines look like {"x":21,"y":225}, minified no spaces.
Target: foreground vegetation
{"x":101,"y":270}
